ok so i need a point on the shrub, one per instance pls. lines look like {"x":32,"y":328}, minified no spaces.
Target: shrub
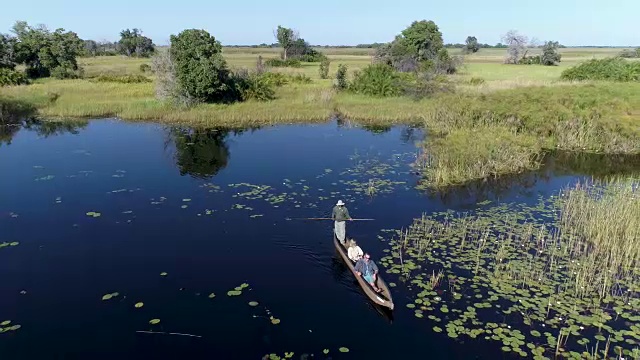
{"x":254,"y":86}
{"x":476,"y":81}
{"x":12,"y":77}
{"x":427,"y":85}
{"x":300,"y":79}
{"x":612,"y":69}
{"x":530,"y":60}
{"x":324,"y":68}
{"x":275,"y":78}
{"x":64,"y":72}
{"x":630,"y":54}
{"x":294,"y":63}
{"x":341,"y":82}
{"x":377,"y":80}
{"x":123,"y":79}
{"x":144,"y":68}
{"x":313,"y":55}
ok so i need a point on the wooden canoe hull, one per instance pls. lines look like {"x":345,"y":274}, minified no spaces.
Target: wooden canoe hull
{"x":384,"y":297}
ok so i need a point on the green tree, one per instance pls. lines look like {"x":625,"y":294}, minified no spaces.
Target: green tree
{"x":7,"y":52}
{"x":200,"y":69}
{"x":471,"y":44}
{"x":422,"y":39}
{"x":45,"y":53}
{"x":286,"y":38}
{"x":550,"y":55}
{"x":133,"y":43}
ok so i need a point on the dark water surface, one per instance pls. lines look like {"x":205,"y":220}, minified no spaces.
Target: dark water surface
{"x":139,"y":178}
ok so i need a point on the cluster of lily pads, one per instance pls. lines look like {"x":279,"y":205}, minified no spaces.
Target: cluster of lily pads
{"x":519,"y":275}
{"x":6,"y":326}
{"x":289,"y":355}
{"x":5,"y":244}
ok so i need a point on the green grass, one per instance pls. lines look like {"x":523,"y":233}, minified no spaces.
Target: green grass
{"x":528,"y":107}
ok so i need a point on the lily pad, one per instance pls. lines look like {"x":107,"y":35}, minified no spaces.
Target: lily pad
{"x":212,"y":295}
{"x":234,"y":293}
{"x":253,"y":303}
{"x":343,"y":350}
{"x":163,"y":274}
{"x":154,"y":321}
{"x":275,"y":321}
{"x":139,"y":305}
{"x":5,"y":323}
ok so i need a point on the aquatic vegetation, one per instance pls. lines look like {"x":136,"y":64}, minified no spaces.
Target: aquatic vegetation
{"x":94,"y":214}
{"x":163,"y":274}
{"x":5,"y":244}
{"x":154,"y":321}
{"x":212,"y":295}
{"x":343,"y":350}
{"x":110,"y":296}
{"x":253,"y":303}
{"x":139,"y":305}
{"x":45,"y":178}
{"x":275,"y":321}
{"x":4,"y":326}
{"x":541,"y":280}
{"x":237,"y":291}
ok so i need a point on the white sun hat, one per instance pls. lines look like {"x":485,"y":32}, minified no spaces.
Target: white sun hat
{"x":340,"y":203}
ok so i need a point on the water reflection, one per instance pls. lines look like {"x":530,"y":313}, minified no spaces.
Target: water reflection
{"x":8,"y":130}
{"x":554,"y":164}
{"x":200,"y":153}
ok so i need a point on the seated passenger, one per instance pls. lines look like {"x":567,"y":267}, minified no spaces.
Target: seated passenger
{"x":354,"y":252}
{"x":366,"y":268}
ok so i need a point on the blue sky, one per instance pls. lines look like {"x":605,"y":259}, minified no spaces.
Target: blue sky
{"x":334,"y":22}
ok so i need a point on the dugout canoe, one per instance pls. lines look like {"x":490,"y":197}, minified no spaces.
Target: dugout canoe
{"x":382,"y":298}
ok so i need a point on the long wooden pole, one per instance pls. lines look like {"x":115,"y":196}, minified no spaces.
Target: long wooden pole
{"x":330,"y":219}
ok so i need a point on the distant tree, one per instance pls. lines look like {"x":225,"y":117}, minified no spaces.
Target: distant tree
{"x":286,"y":38}
{"x":7,"y":52}
{"x":517,"y":46}
{"x":200,"y":70}
{"x":417,"y":46}
{"x":90,"y":48}
{"x":47,"y":53}
{"x":133,"y":43}
{"x":550,"y":55}
{"x":471,"y":44}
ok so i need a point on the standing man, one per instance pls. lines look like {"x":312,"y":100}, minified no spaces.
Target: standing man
{"x":340,"y":215}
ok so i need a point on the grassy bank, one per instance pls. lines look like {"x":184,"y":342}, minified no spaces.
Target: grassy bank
{"x":497,"y":126}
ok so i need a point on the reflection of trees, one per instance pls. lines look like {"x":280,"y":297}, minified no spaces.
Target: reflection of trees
{"x":42,"y":128}
{"x":377,"y":129}
{"x":201,"y":153}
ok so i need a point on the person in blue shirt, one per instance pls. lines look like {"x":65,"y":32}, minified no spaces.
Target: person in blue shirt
{"x":366,"y":268}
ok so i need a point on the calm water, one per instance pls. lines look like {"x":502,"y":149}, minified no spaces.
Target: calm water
{"x":180,"y":202}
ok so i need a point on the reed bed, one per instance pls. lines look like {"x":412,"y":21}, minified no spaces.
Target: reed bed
{"x":562,"y":277}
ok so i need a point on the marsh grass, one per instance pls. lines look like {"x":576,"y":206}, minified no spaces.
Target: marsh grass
{"x":567,"y":268}
{"x":479,"y":136}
